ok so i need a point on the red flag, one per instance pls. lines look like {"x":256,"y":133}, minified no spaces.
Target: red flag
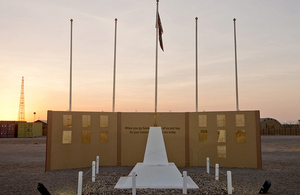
{"x":160,"y":32}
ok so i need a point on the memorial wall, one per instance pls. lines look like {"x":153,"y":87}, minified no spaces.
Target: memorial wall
{"x":230,"y":138}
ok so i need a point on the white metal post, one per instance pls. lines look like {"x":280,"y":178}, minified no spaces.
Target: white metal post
{"x":97,"y":167}
{"x":156,"y":54}
{"x":133,"y":183}
{"x":184,"y":187}
{"x":207,"y":165}
{"x":93,"y":171}
{"x":114,"y":81}
{"x":79,"y":191}
{"x":70,"y":98}
{"x":217,"y":172}
{"x":229,"y":182}
{"x":196,"y":64}
{"x":236,"y":77}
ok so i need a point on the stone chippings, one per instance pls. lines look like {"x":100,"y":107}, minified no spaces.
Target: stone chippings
{"x":22,"y":165}
{"x":106,"y":181}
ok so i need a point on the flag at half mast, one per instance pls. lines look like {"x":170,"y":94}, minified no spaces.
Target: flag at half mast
{"x":160,"y":32}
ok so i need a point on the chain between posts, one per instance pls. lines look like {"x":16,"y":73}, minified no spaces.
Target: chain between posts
{"x":223,"y":175}
{"x":87,"y":172}
{"x":219,"y":170}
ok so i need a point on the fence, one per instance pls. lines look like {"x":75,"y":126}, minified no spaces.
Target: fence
{"x":218,"y":174}
{"x":282,"y":131}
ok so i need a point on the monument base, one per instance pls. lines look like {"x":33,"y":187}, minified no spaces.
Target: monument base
{"x":157,"y":177}
{"x":155,"y":172}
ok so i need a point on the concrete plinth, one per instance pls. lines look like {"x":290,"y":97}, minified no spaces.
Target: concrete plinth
{"x":155,"y":171}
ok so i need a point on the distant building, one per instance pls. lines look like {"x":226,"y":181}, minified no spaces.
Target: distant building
{"x":270,"y":126}
{"x":12,"y":129}
{"x":30,"y":130}
{"x":44,"y":122}
{"x":9,"y":129}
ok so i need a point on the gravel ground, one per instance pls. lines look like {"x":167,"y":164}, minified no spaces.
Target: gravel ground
{"x":22,"y":162}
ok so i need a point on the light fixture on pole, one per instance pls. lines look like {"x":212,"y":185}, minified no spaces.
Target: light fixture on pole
{"x":34,"y":116}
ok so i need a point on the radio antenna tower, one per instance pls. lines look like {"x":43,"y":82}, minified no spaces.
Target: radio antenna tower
{"x":21,"y":115}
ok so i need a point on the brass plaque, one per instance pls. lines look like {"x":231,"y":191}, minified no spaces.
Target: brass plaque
{"x":240,"y":136}
{"x":221,"y":120}
{"x":67,"y":120}
{"x":86,"y":120}
{"x":240,"y":120}
{"x":203,"y":136}
{"x":202,"y":120}
{"x":103,"y":136}
{"x":86,"y":136}
{"x":103,"y":120}
{"x":67,"y":137}
{"x":221,"y":151}
{"x":221,"y":136}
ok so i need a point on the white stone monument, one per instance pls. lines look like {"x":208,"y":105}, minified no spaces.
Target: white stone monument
{"x":155,"y":171}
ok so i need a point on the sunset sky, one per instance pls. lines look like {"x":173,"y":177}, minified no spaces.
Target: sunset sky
{"x":35,"y":43}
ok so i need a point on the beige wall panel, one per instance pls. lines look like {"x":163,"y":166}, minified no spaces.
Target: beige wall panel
{"x":127,"y":136}
{"x":135,"y":128}
{"x":78,"y":154}
{"x":237,"y":154}
{"x":173,"y":127}
{"x":134,"y":132}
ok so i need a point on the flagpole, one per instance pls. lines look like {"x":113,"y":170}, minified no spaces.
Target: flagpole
{"x":156,"y":56}
{"x":196,"y":64}
{"x":114,"y":82}
{"x":236,"y":77}
{"x":70,"y":100}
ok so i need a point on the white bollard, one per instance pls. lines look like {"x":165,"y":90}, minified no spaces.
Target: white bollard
{"x":207,"y":165}
{"x":184,"y":187}
{"x":93,"y":171}
{"x":97,"y":167}
{"x":79,"y":191}
{"x":217,"y":172}
{"x":133,"y":175}
{"x":229,"y":182}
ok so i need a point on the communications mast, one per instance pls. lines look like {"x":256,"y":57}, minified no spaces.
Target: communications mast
{"x":21,"y":115}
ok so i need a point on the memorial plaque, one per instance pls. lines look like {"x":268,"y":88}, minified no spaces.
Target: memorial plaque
{"x":240,"y":136}
{"x":240,"y":120}
{"x":86,"y":120}
{"x":67,"y":120}
{"x":67,"y":137}
{"x":221,"y":136}
{"x":221,"y":120}
{"x":103,"y":120}
{"x":221,"y":151}
{"x":202,"y":120}
{"x":203,"y":136}
{"x":103,"y":136}
{"x":86,"y":136}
